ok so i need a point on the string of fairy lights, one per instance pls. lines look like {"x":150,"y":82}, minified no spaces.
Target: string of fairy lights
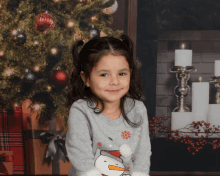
{"x":43,"y":22}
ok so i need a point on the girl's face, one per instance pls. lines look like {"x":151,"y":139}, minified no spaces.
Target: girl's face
{"x":110,"y":73}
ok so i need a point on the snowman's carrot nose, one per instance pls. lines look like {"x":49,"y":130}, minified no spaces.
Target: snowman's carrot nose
{"x":112,"y":167}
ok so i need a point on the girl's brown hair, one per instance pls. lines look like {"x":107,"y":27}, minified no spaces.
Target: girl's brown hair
{"x":88,"y":57}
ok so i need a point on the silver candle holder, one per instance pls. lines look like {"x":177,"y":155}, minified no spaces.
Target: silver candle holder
{"x":216,"y":80}
{"x":182,"y":89}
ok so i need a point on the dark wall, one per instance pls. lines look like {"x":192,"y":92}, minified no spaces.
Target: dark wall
{"x":119,"y":16}
{"x":147,"y":51}
{"x":155,"y":16}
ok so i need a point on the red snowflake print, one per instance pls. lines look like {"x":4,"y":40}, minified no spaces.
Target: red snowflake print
{"x":99,"y":144}
{"x":138,"y":135}
{"x":126,"y":135}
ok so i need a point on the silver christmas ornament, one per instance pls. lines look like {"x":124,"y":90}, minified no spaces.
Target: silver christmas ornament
{"x":20,"y":38}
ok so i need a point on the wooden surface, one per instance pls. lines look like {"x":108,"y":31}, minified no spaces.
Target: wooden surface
{"x":153,"y":173}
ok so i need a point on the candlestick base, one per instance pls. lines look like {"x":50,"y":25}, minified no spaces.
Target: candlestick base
{"x":216,"y":80}
{"x":181,"y":109}
{"x":182,"y":89}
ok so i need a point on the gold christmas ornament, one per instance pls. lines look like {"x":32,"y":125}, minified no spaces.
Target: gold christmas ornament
{"x":77,"y":35}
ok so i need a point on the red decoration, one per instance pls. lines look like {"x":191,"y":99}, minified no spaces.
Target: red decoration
{"x":99,"y":144}
{"x":115,"y":153}
{"x":59,"y":78}
{"x":125,"y":134}
{"x":195,"y":144}
{"x":44,"y":22}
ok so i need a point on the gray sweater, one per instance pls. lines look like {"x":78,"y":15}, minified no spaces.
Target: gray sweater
{"x":99,"y":146}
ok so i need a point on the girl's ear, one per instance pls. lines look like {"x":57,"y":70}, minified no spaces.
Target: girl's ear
{"x":83,"y":76}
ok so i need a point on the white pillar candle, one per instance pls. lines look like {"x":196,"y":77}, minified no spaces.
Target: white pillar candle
{"x":217,"y":68}
{"x":181,"y":120}
{"x":200,"y":100}
{"x":183,"y":57}
{"x":214,"y":117}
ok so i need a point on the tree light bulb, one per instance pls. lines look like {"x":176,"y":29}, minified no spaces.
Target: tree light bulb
{"x":36,"y":68}
{"x":93,"y":18}
{"x":1,"y":53}
{"x":49,"y":88}
{"x":36,"y":42}
{"x":14,"y":32}
{"x":70,"y":24}
{"x":54,"y":51}
{"x":16,"y":104}
{"x":8,"y":72}
{"x":36,"y":106}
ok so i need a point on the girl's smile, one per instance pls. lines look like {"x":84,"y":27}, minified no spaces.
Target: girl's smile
{"x":114,"y":90}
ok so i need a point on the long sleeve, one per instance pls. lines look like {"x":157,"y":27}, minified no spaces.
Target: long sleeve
{"x":79,"y":144}
{"x":143,"y":152}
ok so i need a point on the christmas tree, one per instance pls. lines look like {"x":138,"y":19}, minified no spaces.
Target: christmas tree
{"x":36,"y":38}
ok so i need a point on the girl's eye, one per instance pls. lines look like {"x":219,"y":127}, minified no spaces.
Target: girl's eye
{"x":105,"y":74}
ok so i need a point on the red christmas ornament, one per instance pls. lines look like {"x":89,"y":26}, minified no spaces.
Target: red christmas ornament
{"x":59,"y":79}
{"x":44,"y":22}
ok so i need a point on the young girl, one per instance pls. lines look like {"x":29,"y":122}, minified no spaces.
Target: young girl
{"x":114,"y":140}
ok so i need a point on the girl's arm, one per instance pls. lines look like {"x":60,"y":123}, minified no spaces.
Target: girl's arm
{"x":79,"y":144}
{"x":143,"y":151}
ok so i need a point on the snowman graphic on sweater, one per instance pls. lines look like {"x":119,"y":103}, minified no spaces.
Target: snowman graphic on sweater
{"x":110,"y":163}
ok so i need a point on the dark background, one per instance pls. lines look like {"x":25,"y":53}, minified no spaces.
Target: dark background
{"x":119,"y":16}
{"x":155,"y":16}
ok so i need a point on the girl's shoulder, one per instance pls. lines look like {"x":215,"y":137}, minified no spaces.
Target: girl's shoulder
{"x":138,"y":105}
{"x":135,"y":109}
{"x":80,"y":102}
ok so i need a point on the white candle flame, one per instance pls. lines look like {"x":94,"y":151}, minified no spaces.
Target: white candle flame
{"x":200,"y":78}
{"x":183,"y":46}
